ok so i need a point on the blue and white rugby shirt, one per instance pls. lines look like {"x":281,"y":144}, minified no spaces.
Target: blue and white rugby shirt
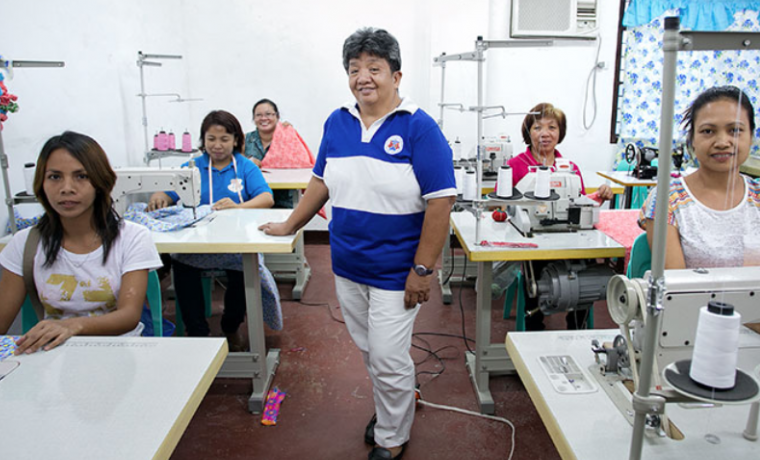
{"x":379,"y":179}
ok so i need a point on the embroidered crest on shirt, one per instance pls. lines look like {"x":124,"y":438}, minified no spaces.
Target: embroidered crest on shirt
{"x":236,"y":185}
{"x":394,"y":145}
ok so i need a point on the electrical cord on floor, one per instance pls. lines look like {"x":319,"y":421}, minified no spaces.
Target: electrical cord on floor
{"x":474,"y":414}
{"x":317,"y":304}
{"x":451,"y":269}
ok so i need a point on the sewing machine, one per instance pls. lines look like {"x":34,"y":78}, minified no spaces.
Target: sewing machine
{"x":643,"y":159}
{"x":185,"y":182}
{"x":685,"y":292}
{"x":566,"y":210}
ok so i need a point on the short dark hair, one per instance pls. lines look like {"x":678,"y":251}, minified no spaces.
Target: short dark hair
{"x":545,"y":110}
{"x":375,"y":42}
{"x":265,"y":101}
{"x":227,"y":121}
{"x":105,"y":221}
{"x":713,"y":94}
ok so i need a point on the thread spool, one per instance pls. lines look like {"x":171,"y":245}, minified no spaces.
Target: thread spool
{"x":504,"y":182}
{"x":155,"y":141}
{"x":29,"y":178}
{"x":470,"y":184}
{"x":543,"y":176}
{"x":716,"y":346}
{"x":172,"y":142}
{"x":163,"y":141}
{"x":457,"y":150}
{"x":187,"y":142}
{"x":459,"y":178}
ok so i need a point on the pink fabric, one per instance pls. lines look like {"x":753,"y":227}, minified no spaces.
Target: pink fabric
{"x":523,"y":161}
{"x":622,"y":226}
{"x":288,"y":150}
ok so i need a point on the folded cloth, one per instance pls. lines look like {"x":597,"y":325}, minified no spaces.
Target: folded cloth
{"x":287,"y":150}
{"x":166,"y":219}
{"x":270,"y":296}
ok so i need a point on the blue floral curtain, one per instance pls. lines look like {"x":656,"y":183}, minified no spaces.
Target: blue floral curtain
{"x":639,"y":104}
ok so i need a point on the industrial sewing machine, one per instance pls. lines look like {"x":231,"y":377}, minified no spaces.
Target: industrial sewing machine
{"x":186,"y":182}
{"x":643,"y":157}
{"x":685,"y":292}
{"x":565,"y":210}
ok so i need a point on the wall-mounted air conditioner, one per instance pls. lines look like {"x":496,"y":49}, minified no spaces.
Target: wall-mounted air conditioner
{"x":554,"y":18}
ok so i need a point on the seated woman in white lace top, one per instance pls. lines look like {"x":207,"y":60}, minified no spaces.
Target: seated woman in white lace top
{"x":713,"y":213}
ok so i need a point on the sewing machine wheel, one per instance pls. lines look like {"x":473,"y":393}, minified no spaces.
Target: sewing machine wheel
{"x":622,"y":299}
{"x":630,"y":153}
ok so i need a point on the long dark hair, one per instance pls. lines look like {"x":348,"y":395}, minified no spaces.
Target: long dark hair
{"x":104,"y":219}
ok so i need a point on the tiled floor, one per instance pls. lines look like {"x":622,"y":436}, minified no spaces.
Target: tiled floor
{"x":328,"y":400}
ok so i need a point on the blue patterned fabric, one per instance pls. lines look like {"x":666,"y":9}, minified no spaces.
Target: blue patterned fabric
{"x":21,"y":222}
{"x":703,"y":15}
{"x":696,"y":71}
{"x":166,"y":219}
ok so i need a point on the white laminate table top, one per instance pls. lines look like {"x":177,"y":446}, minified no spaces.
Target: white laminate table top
{"x":229,"y":231}
{"x":106,"y":397}
{"x":625,"y":179}
{"x":591,"y":427}
{"x":551,"y":246}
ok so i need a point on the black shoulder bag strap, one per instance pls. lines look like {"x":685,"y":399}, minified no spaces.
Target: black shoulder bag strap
{"x":30,"y":250}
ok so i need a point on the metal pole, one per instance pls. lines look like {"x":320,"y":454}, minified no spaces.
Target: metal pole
{"x":656,"y":279}
{"x":144,"y":113}
{"x":480,"y":48}
{"x":443,"y":90}
{"x":8,"y":196}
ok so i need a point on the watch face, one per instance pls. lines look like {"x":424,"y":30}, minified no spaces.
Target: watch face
{"x":422,"y":270}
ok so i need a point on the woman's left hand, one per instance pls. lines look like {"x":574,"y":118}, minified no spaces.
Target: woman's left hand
{"x":47,"y":335}
{"x":605,"y":192}
{"x":224,"y":203}
{"x":417,"y":289}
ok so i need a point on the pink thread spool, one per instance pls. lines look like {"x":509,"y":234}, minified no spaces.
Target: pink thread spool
{"x":172,"y":145}
{"x":155,"y":141}
{"x":187,"y":142}
{"x":163,"y":141}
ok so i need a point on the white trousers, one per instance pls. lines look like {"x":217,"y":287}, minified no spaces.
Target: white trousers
{"x":382,"y":329}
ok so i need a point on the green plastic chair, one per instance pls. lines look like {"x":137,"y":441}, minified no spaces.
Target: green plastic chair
{"x":206,"y":280}
{"x":29,"y":317}
{"x":518,"y":288}
{"x":641,"y":257}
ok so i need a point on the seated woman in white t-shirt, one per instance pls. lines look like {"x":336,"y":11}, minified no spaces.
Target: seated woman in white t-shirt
{"x":713,"y":213}
{"x":90,"y":268}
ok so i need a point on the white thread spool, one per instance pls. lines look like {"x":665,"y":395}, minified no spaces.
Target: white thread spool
{"x":504,"y":182}
{"x":470,"y":186}
{"x":29,"y":178}
{"x":716,"y":346}
{"x":457,"y":150}
{"x":459,"y":178}
{"x":543,"y":176}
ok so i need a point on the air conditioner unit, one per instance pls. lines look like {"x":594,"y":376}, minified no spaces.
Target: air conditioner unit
{"x":554,"y":18}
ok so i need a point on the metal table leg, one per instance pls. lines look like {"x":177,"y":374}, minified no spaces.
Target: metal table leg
{"x":489,"y":358}
{"x":257,"y":364}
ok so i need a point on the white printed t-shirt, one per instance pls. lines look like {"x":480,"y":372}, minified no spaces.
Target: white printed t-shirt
{"x":80,"y":284}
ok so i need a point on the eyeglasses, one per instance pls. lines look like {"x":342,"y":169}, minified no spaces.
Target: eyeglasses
{"x":265,"y":115}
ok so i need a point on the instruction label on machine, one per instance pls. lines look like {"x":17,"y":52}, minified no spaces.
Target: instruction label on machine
{"x":565,"y":375}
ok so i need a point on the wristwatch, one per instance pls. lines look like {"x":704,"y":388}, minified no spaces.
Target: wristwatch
{"x":422,"y":270}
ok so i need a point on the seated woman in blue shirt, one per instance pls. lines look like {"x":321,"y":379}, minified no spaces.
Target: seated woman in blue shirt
{"x":228,"y":180}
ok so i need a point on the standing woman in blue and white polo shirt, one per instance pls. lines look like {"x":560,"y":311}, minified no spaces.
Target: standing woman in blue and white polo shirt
{"x":386,"y":168}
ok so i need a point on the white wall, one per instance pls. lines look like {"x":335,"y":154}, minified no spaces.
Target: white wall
{"x":237,"y":51}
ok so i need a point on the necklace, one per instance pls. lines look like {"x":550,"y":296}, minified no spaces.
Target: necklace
{"x":73,"y":256}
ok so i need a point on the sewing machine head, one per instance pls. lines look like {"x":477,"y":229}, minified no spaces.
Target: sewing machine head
{"x":570,"y":210}
{"x":185,"y":182}
{"x":686,"y":291}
